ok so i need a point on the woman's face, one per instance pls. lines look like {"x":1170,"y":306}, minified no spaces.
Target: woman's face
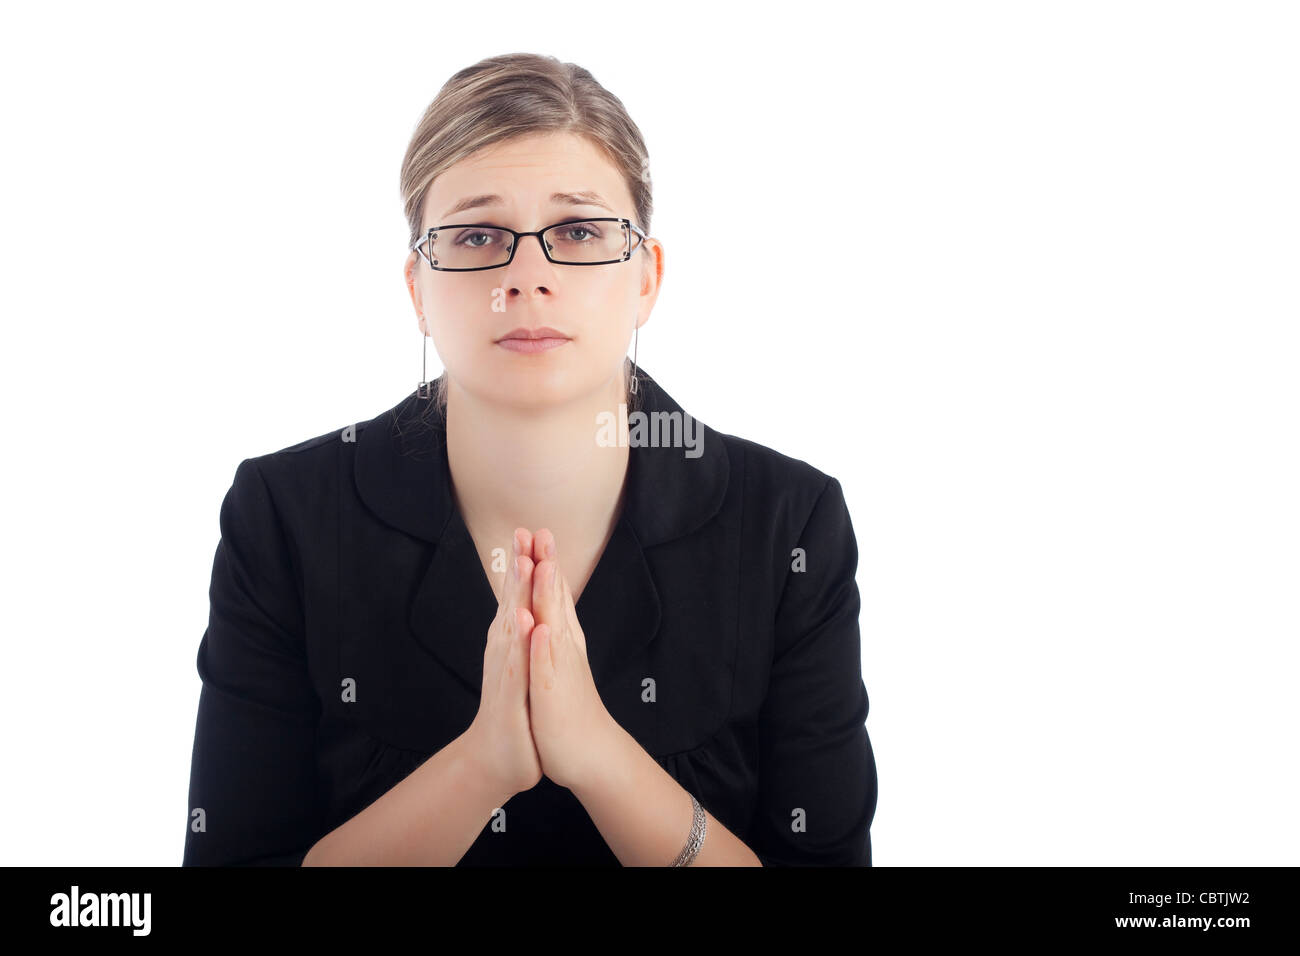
{"x":596,"y":308}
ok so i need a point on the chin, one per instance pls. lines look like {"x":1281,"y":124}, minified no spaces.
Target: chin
{"x":522,"y":381}
{"x":529,"y":387}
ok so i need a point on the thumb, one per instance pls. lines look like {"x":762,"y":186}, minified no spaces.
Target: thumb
{"x":540,"y":671}
{"x":521,"y":595}
{"x":519,"y":653}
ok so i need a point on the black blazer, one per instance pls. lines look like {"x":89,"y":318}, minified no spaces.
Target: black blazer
{"x":345,"y":556}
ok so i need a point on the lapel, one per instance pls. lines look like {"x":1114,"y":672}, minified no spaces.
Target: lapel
{"x":403,"y":477}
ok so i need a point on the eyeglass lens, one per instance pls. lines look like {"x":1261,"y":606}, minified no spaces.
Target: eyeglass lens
{"x":478,"y":247}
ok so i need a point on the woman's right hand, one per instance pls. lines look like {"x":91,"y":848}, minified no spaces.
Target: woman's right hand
{"x":500,"y":736}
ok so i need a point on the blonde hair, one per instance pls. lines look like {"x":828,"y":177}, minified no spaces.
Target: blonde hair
{"x":505,"y":97}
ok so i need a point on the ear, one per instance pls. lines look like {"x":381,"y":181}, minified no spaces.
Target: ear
{"x":409,"y":268}
{"x":652,"y":277}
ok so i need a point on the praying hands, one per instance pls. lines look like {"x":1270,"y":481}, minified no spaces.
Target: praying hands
{"x":540,"y":712}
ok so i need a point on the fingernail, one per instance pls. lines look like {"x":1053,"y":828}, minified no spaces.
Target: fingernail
{"x":515,"y":541}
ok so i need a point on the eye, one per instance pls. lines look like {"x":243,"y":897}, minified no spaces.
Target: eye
{"x":469,"y":237}
{"x":579,"y":232}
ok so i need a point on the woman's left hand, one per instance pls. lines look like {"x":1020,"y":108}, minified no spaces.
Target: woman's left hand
{"x":569,"y":720}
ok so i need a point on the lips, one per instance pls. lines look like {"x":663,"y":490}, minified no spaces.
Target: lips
{"x":543,"y":333}
{"x":533,"y":341}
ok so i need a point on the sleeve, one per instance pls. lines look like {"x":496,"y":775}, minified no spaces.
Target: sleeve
{"x":817,"y":771}
{"x":252,"y":791}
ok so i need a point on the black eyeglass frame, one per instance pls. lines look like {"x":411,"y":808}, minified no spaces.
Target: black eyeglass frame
{"x":514,"y":244}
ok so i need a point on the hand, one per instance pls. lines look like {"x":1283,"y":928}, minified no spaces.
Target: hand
{"x":568,"y":718}
{"x":500,"y":735}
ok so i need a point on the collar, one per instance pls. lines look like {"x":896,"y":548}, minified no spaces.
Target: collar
{"x":402,"y":475}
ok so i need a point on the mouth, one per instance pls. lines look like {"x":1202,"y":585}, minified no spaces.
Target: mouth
{"x":532,"y":340}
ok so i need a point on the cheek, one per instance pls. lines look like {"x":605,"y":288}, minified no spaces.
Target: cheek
{"x":612,"y":336}
{"x":461,"y":317}
{"x":465,"y":301}
{"x":613,"y":310}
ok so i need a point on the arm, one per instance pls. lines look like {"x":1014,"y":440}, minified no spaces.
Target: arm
{"x":428,"y":819}
{"x":252,"y":791}
{"x":817,"y":772}
{"x":644,"y":814}
{"x":253,"y":770}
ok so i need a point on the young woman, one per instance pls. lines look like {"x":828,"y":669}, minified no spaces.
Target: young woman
{"x":535,"y":613}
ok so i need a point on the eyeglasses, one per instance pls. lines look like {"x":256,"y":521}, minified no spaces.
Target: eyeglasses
{"x":469,"y":247}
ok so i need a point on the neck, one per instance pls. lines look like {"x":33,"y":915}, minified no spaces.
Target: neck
{"x":537,"y":468}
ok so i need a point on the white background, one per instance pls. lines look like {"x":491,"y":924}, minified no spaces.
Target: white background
{"x":1041,"y":322}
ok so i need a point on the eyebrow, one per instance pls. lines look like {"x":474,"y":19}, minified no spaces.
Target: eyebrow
{"x":583,"y":198}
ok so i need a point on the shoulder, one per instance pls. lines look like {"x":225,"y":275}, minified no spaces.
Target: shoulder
{"x":308,"y":460}
{"x":291,"y":469}
{"x":784,"y":487}
{"x":296,"y":477}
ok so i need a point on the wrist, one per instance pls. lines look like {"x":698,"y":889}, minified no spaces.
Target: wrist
{"x":475,"y":771}
{"x":607,"y":751}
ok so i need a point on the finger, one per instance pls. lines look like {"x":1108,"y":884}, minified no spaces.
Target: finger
{"x":510,"y":592}
{"x":503,"y":641}
{"x":509,"y":599}
{"x":520,"y":651}
{"x":522,"y":587}
{"x":573,"y":629}
{"x":541,"y":672}
{"x":543,"y":545}
{"x":566,"y":595}
{"x":563,"y":596}
{"x":523,"y":541}
{"x":547,"y":598}
{"x":571,"y":616}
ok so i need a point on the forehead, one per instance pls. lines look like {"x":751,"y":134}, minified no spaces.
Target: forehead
{"x":525,"y":172}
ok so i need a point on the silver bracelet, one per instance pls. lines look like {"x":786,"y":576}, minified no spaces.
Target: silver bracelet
{"x":699,"y":824}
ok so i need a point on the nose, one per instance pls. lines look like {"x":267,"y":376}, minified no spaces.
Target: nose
{"x":531,"y":273}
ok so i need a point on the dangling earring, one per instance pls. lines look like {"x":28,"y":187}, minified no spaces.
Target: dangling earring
{"x":424,"y":390}
{"x":636,"y":336}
